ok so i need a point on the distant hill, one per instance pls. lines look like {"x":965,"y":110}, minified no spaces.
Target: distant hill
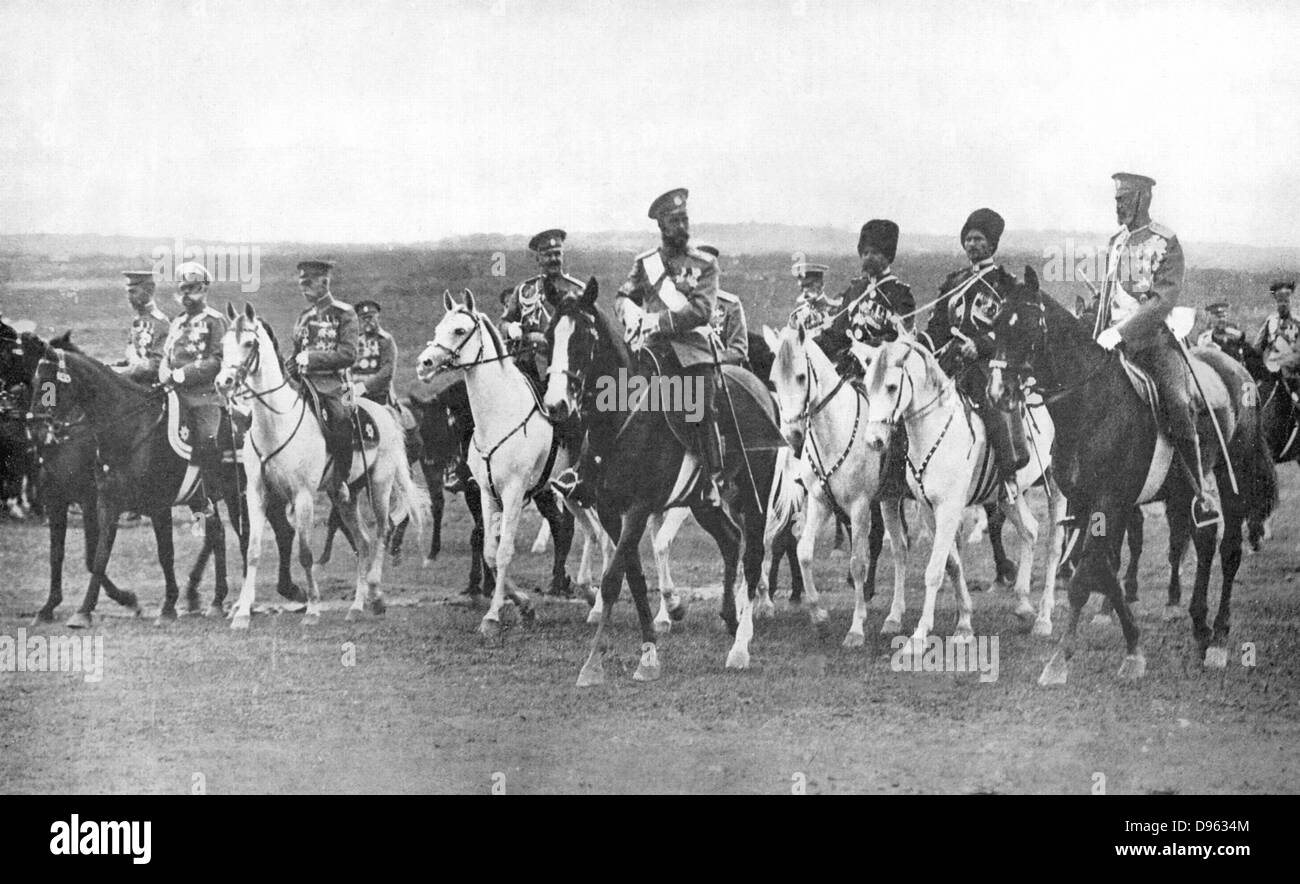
{"x":734,"y":239}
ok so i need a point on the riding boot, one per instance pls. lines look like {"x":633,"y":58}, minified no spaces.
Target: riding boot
{"x":339,"y":444}
{"x":207,"y":456}
{"x":578,"y":482}
{"x":1205,"y":511}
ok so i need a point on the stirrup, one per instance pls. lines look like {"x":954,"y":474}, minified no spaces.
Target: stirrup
{"x":1204,"y":513}
{"x":1009,"y":490}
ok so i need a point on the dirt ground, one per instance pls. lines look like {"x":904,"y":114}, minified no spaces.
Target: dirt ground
{"x":414,"y":702}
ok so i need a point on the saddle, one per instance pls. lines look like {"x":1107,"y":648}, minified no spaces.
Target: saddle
{"x":364,"y":429}
{"x":1144,"y":386}
{"x":229,"y":439}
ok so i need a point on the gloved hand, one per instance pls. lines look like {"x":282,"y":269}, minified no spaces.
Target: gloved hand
{"x":514,"y":331}
{"x":178,"y":376}
{"x":968,"y":350}
{"x":1109,"y":338}
{"x":358,"y":388}
{"x":301,"y":360}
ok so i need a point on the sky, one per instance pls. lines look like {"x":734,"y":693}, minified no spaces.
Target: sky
{"x":405,"y":121}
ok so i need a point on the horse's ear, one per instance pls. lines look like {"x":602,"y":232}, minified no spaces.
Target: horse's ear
{"x":1031,"y":279}
{"x":469,"y":301}
{"x":590,"y":292}
{"x":230,"y":311}
{"x":249,"y":312}
{"x":771,"y":338}
{"x":448,"y":303}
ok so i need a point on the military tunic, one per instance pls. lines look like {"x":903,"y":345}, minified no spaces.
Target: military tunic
{"x":971,"y":299}
{"x":728,"y":323}
{"x":1144,"y":278}
{"x":376,"y":359}
{"x":1276,"y":340}
{"x":682,"y":287}
{"x":862,"y":300}
{"x":327,"y":333}
{"x":144,"y":346}
{"x":194,"y":344}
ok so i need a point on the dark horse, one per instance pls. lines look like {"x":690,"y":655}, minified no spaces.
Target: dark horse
{"x":1106,"y":445}
{"x":110,"y":452}
{"x":645,"y":461}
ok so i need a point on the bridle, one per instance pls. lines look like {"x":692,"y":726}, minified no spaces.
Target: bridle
{"x":575,"y":377}
{"x":453,"y":362}
{"x":59,"y":430}
{"x":247,"y":366}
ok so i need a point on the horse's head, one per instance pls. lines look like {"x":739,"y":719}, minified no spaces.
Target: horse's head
{"x":54,"y":395}
{"x":796,"y":378}
{"x":573,"y":337}
{"x":903,"y":378}
{"x":459,"y":339}
{"x":246,"y":340}
{"x":1021,"y":334}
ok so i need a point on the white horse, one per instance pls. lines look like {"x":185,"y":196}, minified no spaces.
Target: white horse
{"x":824,"y":413}
{"x":950,"y":466}
{"x":285,"y":455}
{"x":512,"y":442}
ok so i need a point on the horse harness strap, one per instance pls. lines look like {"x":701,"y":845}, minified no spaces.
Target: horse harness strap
{"x":487,"y":456}
{"x":918,"y":474}
{"x":824,"y":476}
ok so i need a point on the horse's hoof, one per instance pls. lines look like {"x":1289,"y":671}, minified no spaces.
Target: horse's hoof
{"x":738,"y":658}
{"x":1171,"y":612}
{"x":354,"y":614}
{"x":1057,"y":671}
{"x":1216,"y":658}
{"x":215,"y":610}
{"x":295,"y":593}
{"x":528,"y":615}
{"x":588,"y":593}
{"x":489,"y":629}
{"x":1133,"y":667}
{"x":426,"y":562}
{"x":311,"y":618}
{"x":1025,"y":613}
{"x":42,"y":616}
{"x":193,"y":605}
{"x":324,"y":558}
{"x":822,"y":623}
{"x":167,"y":613}
{"x":663,"y":626}
{"x":678,"y":614}
{"x":963,"y":636}
{"x":593,"y":617}
{"x":379,"y":607}
{"x":916,"y":647}
{"x":854,"y":640}
{"x":240,"y":620}
{"x":1101,"y":620}
{"x":592,"y":674}
{"x":80,"y":620}
{"x":891,"y":626}
{"x":764,"y":610}
{"x":135,"y":612}
{"x":1042,"y":627}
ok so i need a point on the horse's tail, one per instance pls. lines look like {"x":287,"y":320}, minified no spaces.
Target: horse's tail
{"x":785,"y":500}
{"x":1251,"y":453}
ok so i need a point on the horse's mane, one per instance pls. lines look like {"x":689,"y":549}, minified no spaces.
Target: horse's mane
{"x":609,"y":335}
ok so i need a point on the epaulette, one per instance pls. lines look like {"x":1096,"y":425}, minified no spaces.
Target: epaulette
{"x":647,"y":253}
{"x":573,"y":279}
{"x":727,"y":296}
{"x":209,"y":311}
{"x":528,"y":280}
{"x":345,"y":306}
{"x":1160,"y":230}
{"x":158,"y":314}
{"x":695,"y":253}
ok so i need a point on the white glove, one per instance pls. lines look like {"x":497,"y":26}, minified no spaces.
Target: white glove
{"x":358,"y":389}
{"x":132,"y":358}
{"x":1109,"y":338}
{"x":302,"y":359}
{"x":514,"y":330}
{"x":649,"y":323}
{"x":178,"y":376}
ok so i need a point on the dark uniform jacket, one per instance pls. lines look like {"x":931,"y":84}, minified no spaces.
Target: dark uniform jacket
{"x":327,"y":332}
{"x":376,"y":359}
{"x":194,"y":344}
{"x":887,"y":292}
{"x":683,"y":289}
{"x":970,"y":300}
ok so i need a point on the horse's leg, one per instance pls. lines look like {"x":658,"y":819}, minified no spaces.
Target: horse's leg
{"x":57,"y":510}
{"x":1206,"y":541}
{"x":273,"y":510}
{"x":162,"y":532}
{"x":1022,"y":517}
{"x":395,"y":538}
{"x":259,"y":507}
{"x":647,"y":668}
{"x":304,"y":513}
{"x":947,"y":522}
{"x":349,"y":515}
{"x":1136,"y":523}
{"x":726,"y":532}
{"x":663,"y":529}
{"x":478,"y":563}
{"x":593,"y":536}
{"x":816,"y":514}
{"x":593,"y":670}
{"x":1216,"y":655}
{"x":200,"y":565}
{"x":335,"y":523}
{"x":862,"y":530}
{"x":875,"y":543}
{"x":499,"y":548}
{"x":106,"y":515}
{"x":433,"y":481}
{"x":542,"y":539}
{"x":792,"y":562}
{"x":561,"y":530}
{"x":1056,"y":510}
{"x":892,"y":515}
{"x":1178,"y":514}
{"x":1007,"y":572}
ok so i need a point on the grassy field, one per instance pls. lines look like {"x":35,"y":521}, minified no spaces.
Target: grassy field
{"x":414,"y":702}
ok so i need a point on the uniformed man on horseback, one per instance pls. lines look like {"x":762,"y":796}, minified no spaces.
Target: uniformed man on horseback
{"x":1223,"y":335}
{"x":372,"y":373}
{"x":1144,"y":279}
{"x":962,"y":332}
{"x":529,"y":306}
{"x":148,"y":329}
{"x":729,"y":325}
{"x":1278,"y":335}
{"x":813,"y":309}
{"x":324,"y":350}
{"x":190,"y":361}
{"x":875,"y":304}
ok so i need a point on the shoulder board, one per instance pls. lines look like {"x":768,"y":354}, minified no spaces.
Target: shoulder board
{"x":383,"y":333}
{"x":158,"y":314}
{"x":344,"y":307}
{"x":647,"y":253}
{"x":578,"y":282}
{"x":898,"y":284}
{"x":727,"y":296}
{"x":695,"y":253}
{"x":209,"y":311}
{"x":1160,"y":230}
{"x":528,"y":280}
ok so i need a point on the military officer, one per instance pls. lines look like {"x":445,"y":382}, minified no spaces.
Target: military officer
{"x":1144,"y":280}
{"x":324,"y":351}
{"x":813,"y":309}
{"x":372,"y":373}
{"x":1278,"y":335}
{"x":190,"y":361}
{"x":876,"y":304}
{"x":729,"y":325}
{"x":1222,"y":335}
{"x":961,"y":332}
{"x":529,"y":306}
{"x":666,"y":303}
{"x":148,"y":329}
